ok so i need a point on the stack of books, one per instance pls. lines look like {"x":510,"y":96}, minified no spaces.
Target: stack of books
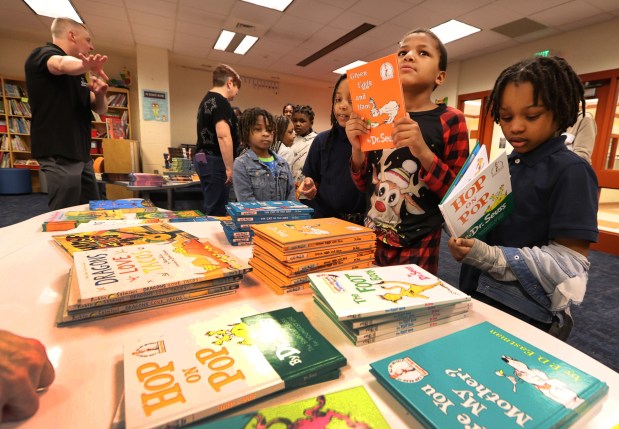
{"x":374,"y":304}
{"x":285,"y":253}
{"x":137,"y":268}
{"x":484,"y":376}
{"x":245,"y":214}
{"x":212,"y":365}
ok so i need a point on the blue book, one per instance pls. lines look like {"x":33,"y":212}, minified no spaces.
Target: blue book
{"x":128,"y":203}
{"x":254,"y":208}
{"x":483,"y":376}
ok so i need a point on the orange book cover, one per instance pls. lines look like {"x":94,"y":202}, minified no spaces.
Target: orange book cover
{"x":376,"y":93}
{"x":289,"y":236}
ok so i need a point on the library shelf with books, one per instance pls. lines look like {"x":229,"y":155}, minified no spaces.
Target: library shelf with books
{"x":115,"y":123}
{"x":15,"y":117}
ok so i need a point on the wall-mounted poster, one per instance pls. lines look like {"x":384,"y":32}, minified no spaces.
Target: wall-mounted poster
{"x":155,"y":105}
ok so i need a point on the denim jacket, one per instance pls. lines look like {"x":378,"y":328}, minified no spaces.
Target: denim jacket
{"x":254,"y":181}
{"x":537,"y":281}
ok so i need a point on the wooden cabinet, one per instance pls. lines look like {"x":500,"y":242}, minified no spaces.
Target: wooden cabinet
{"x":115,"y":123}
{"x":15,"y":119}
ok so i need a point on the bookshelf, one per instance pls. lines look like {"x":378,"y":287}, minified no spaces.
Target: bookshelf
{"x":115,"y":123}
{"x":15,"y":125}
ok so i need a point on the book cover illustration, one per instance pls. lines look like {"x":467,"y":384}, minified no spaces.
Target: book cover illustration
{"x":376,"y":93}
{"x":178,"y":216}
{"x":64,"y":221}
{"x":126,"y":203}
{"x":473,"y":208}
{"x":255,"y":208}
{"x":494,"y":380}
{"x":382,"y":290}
{"x":217,"y":364}
{"x":352,"y":408}
{"x":300,"y":234}
{"x":140,"y":234}
{"x":118,"y":271}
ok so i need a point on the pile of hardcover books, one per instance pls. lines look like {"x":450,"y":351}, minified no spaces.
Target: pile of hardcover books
{"x":213,"y":364}
{"x":484,"y":376}
{"x":245,"y":214}
{"x":286,"y":252}
{"x":64,"y":221}
{"x":375,"y":304}
{"x":137,"y":268}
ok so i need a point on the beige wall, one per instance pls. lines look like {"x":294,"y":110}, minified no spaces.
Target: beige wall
{"x":188,"y":87}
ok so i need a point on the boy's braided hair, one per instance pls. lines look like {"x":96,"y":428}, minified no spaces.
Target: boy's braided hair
{"x":555,"y":85}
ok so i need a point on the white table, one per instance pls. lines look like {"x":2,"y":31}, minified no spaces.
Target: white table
{"x":88,"y":357}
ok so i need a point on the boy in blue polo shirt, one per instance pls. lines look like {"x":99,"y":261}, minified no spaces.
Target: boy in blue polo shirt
{"x":534,"y":264}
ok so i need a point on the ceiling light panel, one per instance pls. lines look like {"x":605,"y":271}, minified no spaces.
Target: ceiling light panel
{"x":280,"y":5}
{"x":54,"y":9}
{"x":453,"y":30}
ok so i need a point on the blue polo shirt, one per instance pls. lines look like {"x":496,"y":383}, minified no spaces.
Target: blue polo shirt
{"x":555,"y":195}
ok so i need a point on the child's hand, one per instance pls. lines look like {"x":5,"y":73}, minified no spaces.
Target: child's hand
{"x":460,"y":247}
{"x":308,"y":188}
{"x":406,"y":132}
{"x":356,"y":126}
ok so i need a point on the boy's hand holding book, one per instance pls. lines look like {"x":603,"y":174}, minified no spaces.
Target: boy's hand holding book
{"x":460,"y":247}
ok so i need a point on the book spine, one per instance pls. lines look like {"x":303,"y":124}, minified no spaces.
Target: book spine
{"x":377,"y":330}
{"x":370,"y":340}
{"x":115,"y":299}
{"x":399,"y":309}
{"x":158,"y":302}
{"x":361,"y":323}
{"x":325,"y":243}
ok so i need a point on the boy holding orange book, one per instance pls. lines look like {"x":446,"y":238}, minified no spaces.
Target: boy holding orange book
{"x":429,"y":146}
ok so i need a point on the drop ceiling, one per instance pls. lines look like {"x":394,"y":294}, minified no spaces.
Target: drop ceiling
{"x":188,"y":29}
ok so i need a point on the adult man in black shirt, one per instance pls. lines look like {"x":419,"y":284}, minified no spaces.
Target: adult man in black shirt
{"x":61,"y":98}
{"x":217,"y":139}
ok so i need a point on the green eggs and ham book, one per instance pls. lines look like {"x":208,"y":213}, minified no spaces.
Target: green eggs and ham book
{"x":202,"y":367}
{"x":361,"y":293}
{"x":350,"y":408}
{"x":484,"y":376}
